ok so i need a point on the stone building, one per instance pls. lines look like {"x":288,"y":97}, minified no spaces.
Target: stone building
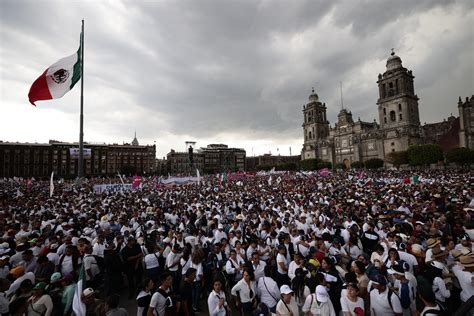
{"x":466,"y":117}
{"x":349,"y":141}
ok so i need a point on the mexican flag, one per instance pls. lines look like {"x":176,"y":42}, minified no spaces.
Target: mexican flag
{"x":78,"y":305}
{"x":58,"y":79}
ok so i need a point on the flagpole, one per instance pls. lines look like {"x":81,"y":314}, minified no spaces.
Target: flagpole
{"x":81,"y":121}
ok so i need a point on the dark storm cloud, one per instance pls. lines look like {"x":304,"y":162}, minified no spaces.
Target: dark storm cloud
{"x":204,"y":68}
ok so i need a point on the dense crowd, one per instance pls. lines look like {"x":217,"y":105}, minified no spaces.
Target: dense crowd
{"x":346,"y":243}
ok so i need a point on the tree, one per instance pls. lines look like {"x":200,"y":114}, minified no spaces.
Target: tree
{"x":423,"y":155}
{"x":460,"y":156}
{"x":357,"y":165}
{"x":324,"y":164}
{"x":339,"y":165}
{"x":374,"y":163}
{"x":398,"y":158}
{"x":310,"y":164}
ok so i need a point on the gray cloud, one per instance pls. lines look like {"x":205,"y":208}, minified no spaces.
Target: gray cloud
{"x":207,"y":68}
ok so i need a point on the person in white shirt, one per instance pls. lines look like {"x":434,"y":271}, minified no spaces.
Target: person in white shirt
{"x":151,"y":263}
{"x":19,"y":275}
{"x":258,"y":266}
{"x":268,"y":291}
{"x":99,"y":247}
{"x":216,"y":302}
{"x":402,"y":284}
{"x":90,"y":266}
{"x":465,"y":275}
{"x":161,"y":299}
{"x":234,"y":267}
{"x":282,"y":266}
{"x":351,"y":303}
{"x":287,"y":304}
{"x":319,"y":303}
{"x":245,"y":293}
{"x":437,"y":283}
{"x":380,"y":296}
{"x":295,"y":264}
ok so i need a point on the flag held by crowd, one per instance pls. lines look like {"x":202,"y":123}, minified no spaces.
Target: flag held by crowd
{"x":51,"y":185}
{"x":78,"y":305}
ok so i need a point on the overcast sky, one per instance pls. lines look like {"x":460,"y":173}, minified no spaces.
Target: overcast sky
{"x":234,"y":72}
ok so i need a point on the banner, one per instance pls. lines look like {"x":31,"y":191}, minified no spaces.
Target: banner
{"x":74,"y":152}
{"x":179,"y":180}
{"x":115,"y":187}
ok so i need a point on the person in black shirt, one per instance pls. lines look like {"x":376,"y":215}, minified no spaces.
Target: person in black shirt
{"x":186,"y":293}
{"x":132,"y":256}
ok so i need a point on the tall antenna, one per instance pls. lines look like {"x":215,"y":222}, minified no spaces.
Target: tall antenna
{"x":342,"y":100}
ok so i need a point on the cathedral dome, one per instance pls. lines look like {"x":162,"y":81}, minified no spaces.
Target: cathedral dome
{"x":313,"y":97}
{"x":394,"y":62}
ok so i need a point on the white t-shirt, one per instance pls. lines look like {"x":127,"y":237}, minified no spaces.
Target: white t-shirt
{"x":465,"y":281}
{"x":282,"y":309}
{"x":151,"y":260}
{"x":316,"y":308}
{"x":158,"y":303}
{"x":349,"y":306}
{"x":380,"y":305}
{"x":66,"y":266}
{"x":90,"y":263}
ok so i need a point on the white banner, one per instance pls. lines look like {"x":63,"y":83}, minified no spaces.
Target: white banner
{"x":74,"y":152}
{"x":116,"y":187}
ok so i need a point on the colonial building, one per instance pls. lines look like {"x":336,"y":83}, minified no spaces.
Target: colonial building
{"x":39,"y":160}
{"x":349,"y":141}
{"x":466,"y":117}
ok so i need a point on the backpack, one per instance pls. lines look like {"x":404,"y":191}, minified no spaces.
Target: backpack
{"x":170,"y":309}
{"x":405,"y":295}
{"x":389,"y":297}
{"x":100,"y":263}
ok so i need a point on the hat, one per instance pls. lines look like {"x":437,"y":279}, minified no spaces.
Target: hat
{"x":397,"y":269}
{"x":55,"y":277}
{"x":4,"y":257}
{"x":34,"y":240}
{"x":437,"y":265}
{"x":379,"y":279}
{"x":465,"y":237}
{"x":416,"y":250}
{"x":53,"y":246}
{"x":4,"y":245}
{"x":437,"y":252}
{"x":322,"y":294}
{"x":40,"y":286}
{"x":17,"y":271}
{"x":88,"y":292}
{"x":285,"y":289}
{"x":432,"y":242}
{"x":467,"y":261}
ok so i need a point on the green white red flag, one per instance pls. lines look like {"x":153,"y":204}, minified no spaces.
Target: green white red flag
{"x":57,"y":80}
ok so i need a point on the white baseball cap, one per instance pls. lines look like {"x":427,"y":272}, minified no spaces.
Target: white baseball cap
{"x":322,"y":294}
{"x":285,"y":289}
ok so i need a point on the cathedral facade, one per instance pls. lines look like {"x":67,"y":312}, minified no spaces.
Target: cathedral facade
{"x":398,"y":128}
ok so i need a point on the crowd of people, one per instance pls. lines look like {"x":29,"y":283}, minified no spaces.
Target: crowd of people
{"x":288,"y":244}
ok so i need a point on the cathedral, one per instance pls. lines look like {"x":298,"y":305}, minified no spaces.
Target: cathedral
{"x":398,"y":128}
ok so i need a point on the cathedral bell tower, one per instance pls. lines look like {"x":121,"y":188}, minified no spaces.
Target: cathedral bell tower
{"x":315,"y":126}
{"x":398,"y":106}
